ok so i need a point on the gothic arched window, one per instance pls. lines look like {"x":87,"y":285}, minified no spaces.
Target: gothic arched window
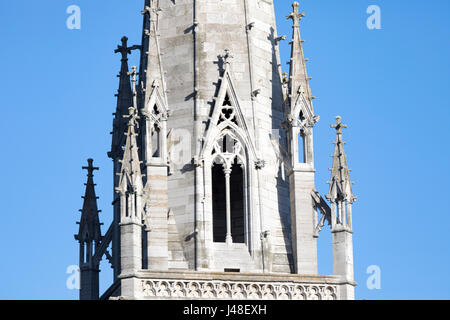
{"x":228,"y":189}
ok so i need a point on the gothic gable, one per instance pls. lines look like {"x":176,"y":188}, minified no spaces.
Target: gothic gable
{"x":227,"y":115}
{"x":156,"y":105}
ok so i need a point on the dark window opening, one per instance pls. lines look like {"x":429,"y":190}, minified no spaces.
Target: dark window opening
{"x":219,"y":203}
{"x":156,"y":142}
{"x":155,"y":110}
{"x":237,"y":203}
{"x":301,"y":141}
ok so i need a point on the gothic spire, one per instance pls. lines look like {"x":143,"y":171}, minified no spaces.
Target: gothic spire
{"x":298,"y":77}
{"x":130,"y":173}
{"x":154,"y":77}
{"x":124,"y":99}
{"x":340,"y":184}
{"x":89,"y":224}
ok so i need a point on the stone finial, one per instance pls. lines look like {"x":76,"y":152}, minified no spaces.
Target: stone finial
{"x":124,"y":49}
{"x":339,"y":125}
{"x":285,"y":78}
{"x":133,"y":74}
{"x":295,"y":15}
{"x":227,"y":56}
{"x":90,"y":168}
{"x":132,"y":117}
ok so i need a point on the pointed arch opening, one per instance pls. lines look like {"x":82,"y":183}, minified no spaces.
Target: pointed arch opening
{"x":228,"y":182}
{"x":229,"y":157}
{"x":156,"y":141}
{"x":235,"y":201}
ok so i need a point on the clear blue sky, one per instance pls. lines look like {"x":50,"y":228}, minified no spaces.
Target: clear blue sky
{"x":390,"y":86}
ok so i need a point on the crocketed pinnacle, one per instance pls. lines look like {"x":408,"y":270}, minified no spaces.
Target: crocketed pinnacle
{"x":298,"y":77}
{"x":89,"y":224}
{"x":130,"y":174}
{"x":340,"y":184}
{"x":154,"y":75}
{"x":124,"y":100}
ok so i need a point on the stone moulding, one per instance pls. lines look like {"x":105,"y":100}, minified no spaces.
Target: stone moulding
{"x":186,"y":289}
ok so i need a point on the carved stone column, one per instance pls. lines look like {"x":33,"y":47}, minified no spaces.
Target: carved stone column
{"x":228,"y":239}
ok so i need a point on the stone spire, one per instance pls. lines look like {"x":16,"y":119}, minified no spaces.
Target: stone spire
{"x":151,"y":53}
{"x":124,"y":100}
{"x":340,"y":184}
{"x":130,"y":192}
{"x":89,"y":237}
{"x":89,"y":230}
{"x":341,"y":197}
{"x":130,"y":176}
{"x":298,"y":77}
{"x":300,"y":120}
{"x":144,"y":42}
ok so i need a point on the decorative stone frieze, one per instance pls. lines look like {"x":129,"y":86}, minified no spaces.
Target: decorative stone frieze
{"x":196,"y":289}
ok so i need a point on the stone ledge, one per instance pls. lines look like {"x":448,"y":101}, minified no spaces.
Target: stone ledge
{"x":238,"y":276}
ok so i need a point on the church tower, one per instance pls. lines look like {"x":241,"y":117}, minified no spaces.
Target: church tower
{"x":214,"y":165}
